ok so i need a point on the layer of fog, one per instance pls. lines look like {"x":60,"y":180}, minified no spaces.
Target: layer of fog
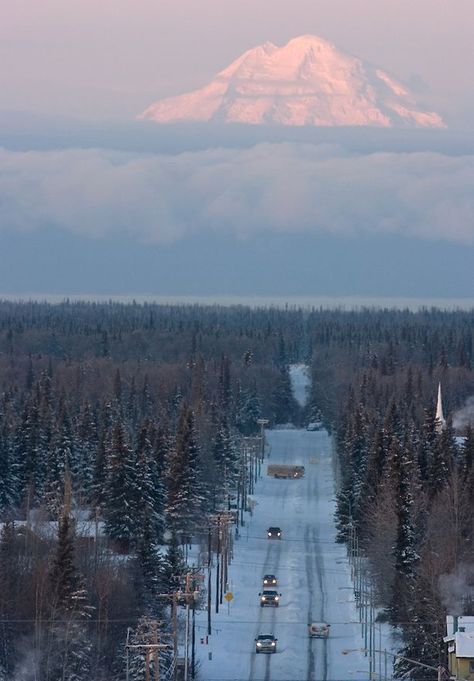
{"x":287,"y":188}
{"x":464,"y":417}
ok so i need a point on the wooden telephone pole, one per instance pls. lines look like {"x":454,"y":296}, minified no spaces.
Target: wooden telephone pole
{"x":150,"y":645}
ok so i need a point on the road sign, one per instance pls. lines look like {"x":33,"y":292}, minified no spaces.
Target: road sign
{"x":229,"y":596}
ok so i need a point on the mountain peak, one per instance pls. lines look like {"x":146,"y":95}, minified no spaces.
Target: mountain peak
{"x":308,"y":41}
{"x":308,"y":81}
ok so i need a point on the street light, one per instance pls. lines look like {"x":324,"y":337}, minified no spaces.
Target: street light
{"x":262,"y":423}
{"x":439,"y":669}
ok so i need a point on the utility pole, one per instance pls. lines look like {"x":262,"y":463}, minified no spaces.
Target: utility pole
{"x":262,"y":423}
{"x":151,"y":647}
{"x":186,"y":629}
{"x":439,"y":669}
{"x":209,"y":580}
{"x":193,"y":644}
{"x":218,"y":561}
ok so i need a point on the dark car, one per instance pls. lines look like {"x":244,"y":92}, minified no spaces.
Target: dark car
{"x":265,"y":643}
{"x":269,"y":597}
{"x":274,"y":533}
{"x":270,"y":580}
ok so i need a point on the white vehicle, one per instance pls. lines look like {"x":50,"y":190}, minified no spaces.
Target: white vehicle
{"x":265,"y":643}
{"x":318,"y":630}
{"x":269,"y":598}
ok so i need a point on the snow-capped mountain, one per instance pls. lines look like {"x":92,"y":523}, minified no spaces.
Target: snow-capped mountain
{"x":306,"y":82}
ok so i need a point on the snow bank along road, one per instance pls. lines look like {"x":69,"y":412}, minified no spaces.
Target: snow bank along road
{"x":313,"y":574}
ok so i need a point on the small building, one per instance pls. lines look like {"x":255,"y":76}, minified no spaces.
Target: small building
{"x":460,"y":641}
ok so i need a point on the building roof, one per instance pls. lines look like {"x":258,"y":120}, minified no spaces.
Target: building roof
{"x":462,"y":623}
{"x":464,"y":643}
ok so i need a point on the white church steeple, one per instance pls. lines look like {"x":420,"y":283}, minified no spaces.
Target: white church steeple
{"x":440,"y":420}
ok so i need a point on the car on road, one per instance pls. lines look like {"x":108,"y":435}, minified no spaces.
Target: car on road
{"x":315,"y":425}
{"x":274,"y":533}
{"x":265,"y":643}
{"x":269,"y":597}
{"x":318,"y":630}
{"x":270,"y":580}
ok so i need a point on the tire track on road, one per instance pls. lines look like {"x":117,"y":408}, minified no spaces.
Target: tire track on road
{"x":271,"y":564}
{"x":319,"y":570}
{"x":317,"y":607}
{"x":310,"y":581}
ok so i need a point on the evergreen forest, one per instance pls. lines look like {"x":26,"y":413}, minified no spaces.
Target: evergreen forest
{"x":124,"y":430}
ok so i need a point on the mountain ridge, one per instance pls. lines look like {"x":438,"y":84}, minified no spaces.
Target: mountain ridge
{"x":308,"y":82}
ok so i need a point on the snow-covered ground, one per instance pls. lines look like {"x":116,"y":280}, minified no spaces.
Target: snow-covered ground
{"x":299,"y":374}
{"x":313,"y":573}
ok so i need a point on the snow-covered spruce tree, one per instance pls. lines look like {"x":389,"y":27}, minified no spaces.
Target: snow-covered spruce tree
{"x":422,"y":633}
{"x":282,"y":398}
{"x":99,"y":476}
{"x":248,"y":410}
{"x":225,"y":462}
{"x":82,"y":463}
{"x":174,"y":564}
{"x":224,"y":384}
{"x":428,"y":443}
{"x":59,"y":459}
{"x":9,"y":583}
{"x":442,"y":460}
{"x":405,"y":551}
{"x":146,"y":402}
{"x":161,"y":444}
{"x":467,"y":462}
{"x":151,"y":569}
{"x":149,"y":493}
{"x":131,"y":408}
{"x":120,"y":499}
{"x":8,"y":480}
{"x":392,"y":424}
{"x":184,"y":476}
{"x":467,"y":452}
{"x":375,"y":465}
{"x":66,"y":648}
{"x":350,"y":499}
{"x":27,"y":454}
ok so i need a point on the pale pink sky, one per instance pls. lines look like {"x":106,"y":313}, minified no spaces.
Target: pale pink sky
{"x":110,"y":58}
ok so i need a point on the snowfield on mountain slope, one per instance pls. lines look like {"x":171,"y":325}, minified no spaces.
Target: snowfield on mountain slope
{"x":313,"y":574}
{"x":308,"y":81}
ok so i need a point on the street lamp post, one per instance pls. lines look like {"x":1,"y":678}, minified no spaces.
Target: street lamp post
{"x":439,"y":669}
{"x":262,"y":423}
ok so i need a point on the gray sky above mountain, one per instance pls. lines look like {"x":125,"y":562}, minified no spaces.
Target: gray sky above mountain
{"x":109,"y":59}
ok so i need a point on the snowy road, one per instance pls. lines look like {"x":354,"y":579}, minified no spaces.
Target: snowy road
{"x":313,"y":573}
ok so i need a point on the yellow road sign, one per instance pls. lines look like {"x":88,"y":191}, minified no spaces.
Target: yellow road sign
{"x":229,"y":596}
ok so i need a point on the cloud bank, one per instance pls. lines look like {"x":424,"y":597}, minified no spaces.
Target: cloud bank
{"x":286,"y":188}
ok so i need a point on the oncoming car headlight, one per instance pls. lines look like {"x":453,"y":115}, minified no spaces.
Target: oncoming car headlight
{"x":259,"y":644}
